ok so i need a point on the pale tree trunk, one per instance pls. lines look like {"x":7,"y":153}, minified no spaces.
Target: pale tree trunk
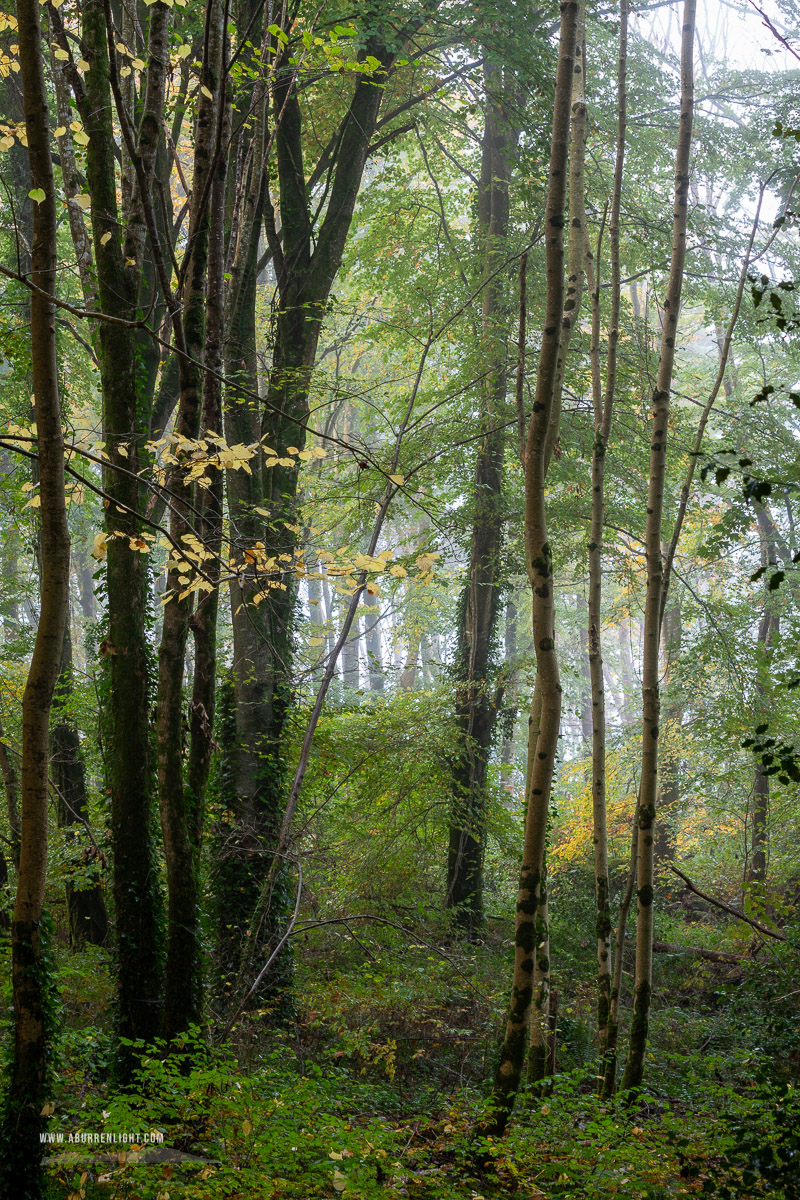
{"x":585,"y":674}
{"x":372,"y":642}
{"x":21,"y":1162}
{"x":669,"y":790}
{"x":603,"y":404}
{"x":648,"y":790}
{"x":350,"y":656}
{"x":538,"y":557}
{"x":539,"y":1031}
{"x":511,"y":690}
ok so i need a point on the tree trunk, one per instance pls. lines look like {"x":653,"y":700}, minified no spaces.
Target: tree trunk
{"x":768,"y":632}
{"x":86,"y":907}
{"x":20,"y":1165}
{"x":669,"y":789}
{"x":372,"y":642}
{"x":306,"y":267}
{"x":648,"y":790}
{"x":129,"y":778}
{"x":603,"y":403}
{"x":476,"y":713}
{"x":608,"y":1083}
{"x":181,"y":800}
{"x":538,"y":555}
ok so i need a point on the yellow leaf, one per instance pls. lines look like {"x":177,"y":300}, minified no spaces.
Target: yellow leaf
{"x":62,"y":129}
{"x":398,"y":479}
{"x":184,"y":51}
{"x":83,"y":201}
{"x":336,"y":1155}
{"x":99,"y":548}
{"x":82,"y":64}
{"x":208,"y":94}
{"x":138,"y":63}
{"x":373,"y":589}
{"x":339,"y":1181}
{"x":34,"y":502}
{"x":125,"y":71}
{"x":398,"y":571}
{"x":62,"y":55}
{"x":246,"y":1127}
{"x":316,"y":641}
{"x":82,"y":138}
{"x":105,"y":239}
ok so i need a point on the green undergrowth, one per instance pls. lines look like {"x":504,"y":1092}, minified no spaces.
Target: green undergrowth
{"x":373,"y":1091}
{"x":271,"y":1132}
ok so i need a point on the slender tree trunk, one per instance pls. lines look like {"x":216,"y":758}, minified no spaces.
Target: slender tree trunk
{"x":768,"y":631}
{"x":538,"y":555}
{"x":350,"y":657}
{"x":20,"y":1163}
{"x":11,"y":787}
{"x":86,"y":907}
{"x":608,"y":1082}
{"x":648,"y":791}
{"x":603,"y":403}
{"x":476,"y":713}
{"x":181,"y":801}
{"x":512,"y":688}
{"x":372,"y":642}
{"x":669,"y":791}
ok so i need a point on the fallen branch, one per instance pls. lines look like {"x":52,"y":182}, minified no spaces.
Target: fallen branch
{"x":734,"y":912}
{"x":716,"y":956}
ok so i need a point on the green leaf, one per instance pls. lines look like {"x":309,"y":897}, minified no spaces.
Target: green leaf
{"x":37,"y":195}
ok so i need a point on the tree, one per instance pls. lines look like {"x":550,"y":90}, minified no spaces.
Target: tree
{"x":21,"y":1155}
{"x":634,"y":1065}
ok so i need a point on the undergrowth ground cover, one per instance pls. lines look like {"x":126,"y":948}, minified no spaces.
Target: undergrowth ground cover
{"x":372,"y":1090}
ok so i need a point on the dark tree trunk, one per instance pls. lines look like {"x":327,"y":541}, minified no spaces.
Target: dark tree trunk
{"x":476,"y":713}
{"x":20,"y":1157}
{"x":86,"y":907}
{"x":262,"y":633}
{"x":129,"y":767}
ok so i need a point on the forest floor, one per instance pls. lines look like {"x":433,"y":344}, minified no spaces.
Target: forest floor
{"x":371,"y":1090}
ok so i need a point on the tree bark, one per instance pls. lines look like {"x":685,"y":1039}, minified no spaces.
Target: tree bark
{"x":538,"y":555}
{"x":181,"y":800}
{"x":768,"y":631}
{"x":476,"y":713}
{"x":21,"y":1158}
{"x":125,"y":417}
{"x":648,"y":791}
{"x":603,"y":404}
{"x":86,"y":906}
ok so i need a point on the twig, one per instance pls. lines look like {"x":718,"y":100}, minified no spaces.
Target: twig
{"x":734,"y":912}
